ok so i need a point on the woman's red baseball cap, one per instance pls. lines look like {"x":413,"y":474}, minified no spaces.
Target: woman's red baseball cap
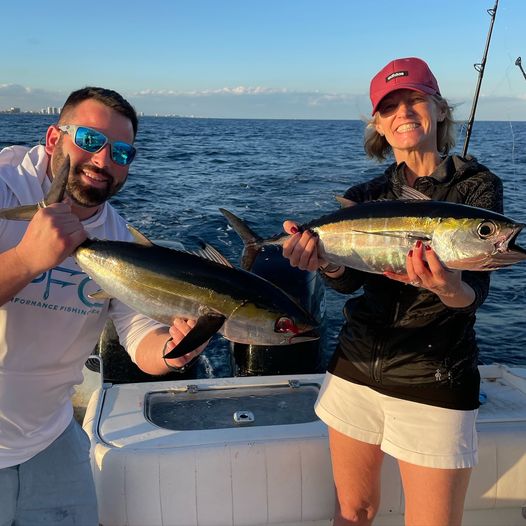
{"x":402,"y":73}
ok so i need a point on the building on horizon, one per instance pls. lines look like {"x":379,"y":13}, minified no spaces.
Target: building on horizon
{"x":51,"y":110}
{"x":13,"y":110}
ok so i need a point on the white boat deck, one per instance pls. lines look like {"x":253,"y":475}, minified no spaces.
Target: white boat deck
{"x":185,"y":470}
{"x":505,"y":390}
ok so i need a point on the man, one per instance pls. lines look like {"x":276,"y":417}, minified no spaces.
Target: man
{"x":48,"y":323}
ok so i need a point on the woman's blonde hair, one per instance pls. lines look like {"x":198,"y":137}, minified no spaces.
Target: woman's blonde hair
{"x":377,"y":147}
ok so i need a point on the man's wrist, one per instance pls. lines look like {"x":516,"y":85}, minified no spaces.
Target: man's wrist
{"x":171,"y":367}
{"x":175,"y":368}
{"x":330,"y":268}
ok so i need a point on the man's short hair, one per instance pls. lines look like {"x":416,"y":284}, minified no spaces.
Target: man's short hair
{"x":108,"y":97}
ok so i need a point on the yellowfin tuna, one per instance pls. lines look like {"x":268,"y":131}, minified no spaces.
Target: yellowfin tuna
{"x":163,"y":284}
{"x":376,"y":236}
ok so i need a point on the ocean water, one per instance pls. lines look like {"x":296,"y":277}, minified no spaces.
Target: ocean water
{"x":266,"y":171}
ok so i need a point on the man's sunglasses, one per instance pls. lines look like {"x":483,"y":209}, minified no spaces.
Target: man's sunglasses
{"x":93,"y":141}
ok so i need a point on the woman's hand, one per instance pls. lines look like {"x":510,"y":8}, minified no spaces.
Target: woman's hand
{"x":301,"y":248}
{"x":425,"y":270}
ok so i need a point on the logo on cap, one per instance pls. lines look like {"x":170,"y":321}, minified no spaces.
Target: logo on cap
{"x":397,"y":74}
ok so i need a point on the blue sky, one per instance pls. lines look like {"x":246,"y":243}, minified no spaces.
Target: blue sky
{"x":258,"y":59}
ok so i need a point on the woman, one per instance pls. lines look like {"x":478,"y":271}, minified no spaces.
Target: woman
{"x":404,"y":378}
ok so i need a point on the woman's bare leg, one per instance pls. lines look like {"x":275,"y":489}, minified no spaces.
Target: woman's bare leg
{"x":356,"y":469}
{"x":433,"y":497}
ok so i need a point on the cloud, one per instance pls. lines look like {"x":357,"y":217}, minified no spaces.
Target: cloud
{"x":236,"y":91}
{"x":14,"y":90}
{"x":251,"y":101}
{"x":27,"y":98}
{"x":314,"y":97}
{"x":256,"y":102}
{"x":504,"y":98}
{"x":332,"y":98}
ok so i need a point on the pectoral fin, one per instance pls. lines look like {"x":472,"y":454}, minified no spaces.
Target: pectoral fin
{"x":204,"y":329}
{"x":100,"y":295}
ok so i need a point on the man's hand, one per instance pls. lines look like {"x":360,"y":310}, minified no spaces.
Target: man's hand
{"x":178,"y":330}
{"x":150,"y":352}
{"x":52,"y":235}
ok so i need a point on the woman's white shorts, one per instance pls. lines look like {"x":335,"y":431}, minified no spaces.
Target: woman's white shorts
{"x":417,"y":433}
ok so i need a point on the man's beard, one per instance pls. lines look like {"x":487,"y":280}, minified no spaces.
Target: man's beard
{"x":80,"y":193}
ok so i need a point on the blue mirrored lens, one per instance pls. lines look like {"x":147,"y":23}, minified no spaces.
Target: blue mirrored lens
{"x":89,"y":140}
{"x":93,"y":141}
{"x":122,"y":153}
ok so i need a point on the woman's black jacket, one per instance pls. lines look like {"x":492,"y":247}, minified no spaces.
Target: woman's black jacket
{"x":402,"y":340}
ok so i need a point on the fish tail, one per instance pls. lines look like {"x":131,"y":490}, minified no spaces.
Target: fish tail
{"x":252,"y":241}
{"x":55,"y":195}
{"x":58,"y":185}
{"x":19,"y":213}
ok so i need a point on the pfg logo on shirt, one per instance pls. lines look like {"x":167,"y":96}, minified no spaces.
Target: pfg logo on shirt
{"x":50,"y":298}
{"x":397,"y":74}
{"x":58,"y":276}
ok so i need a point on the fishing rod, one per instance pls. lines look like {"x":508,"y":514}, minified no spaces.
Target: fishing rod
{"x":480,"y":68}
{"x":519,"y":63}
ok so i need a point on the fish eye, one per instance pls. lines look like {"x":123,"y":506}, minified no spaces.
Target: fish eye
{"x":487,"y":229}
{"x":285,"y":324}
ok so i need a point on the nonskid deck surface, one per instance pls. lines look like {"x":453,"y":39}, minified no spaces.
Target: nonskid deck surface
{"x":503,"y":394}
{"x":157,"y":408}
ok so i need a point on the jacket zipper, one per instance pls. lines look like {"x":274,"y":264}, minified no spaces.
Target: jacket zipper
{"x":376,"y":372}
{"x":377,"y":362}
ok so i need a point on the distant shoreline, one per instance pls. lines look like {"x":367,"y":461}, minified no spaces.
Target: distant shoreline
{"x":36,"y":114}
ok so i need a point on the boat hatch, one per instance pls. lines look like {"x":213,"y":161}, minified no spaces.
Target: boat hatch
{"x":248,"y":406}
